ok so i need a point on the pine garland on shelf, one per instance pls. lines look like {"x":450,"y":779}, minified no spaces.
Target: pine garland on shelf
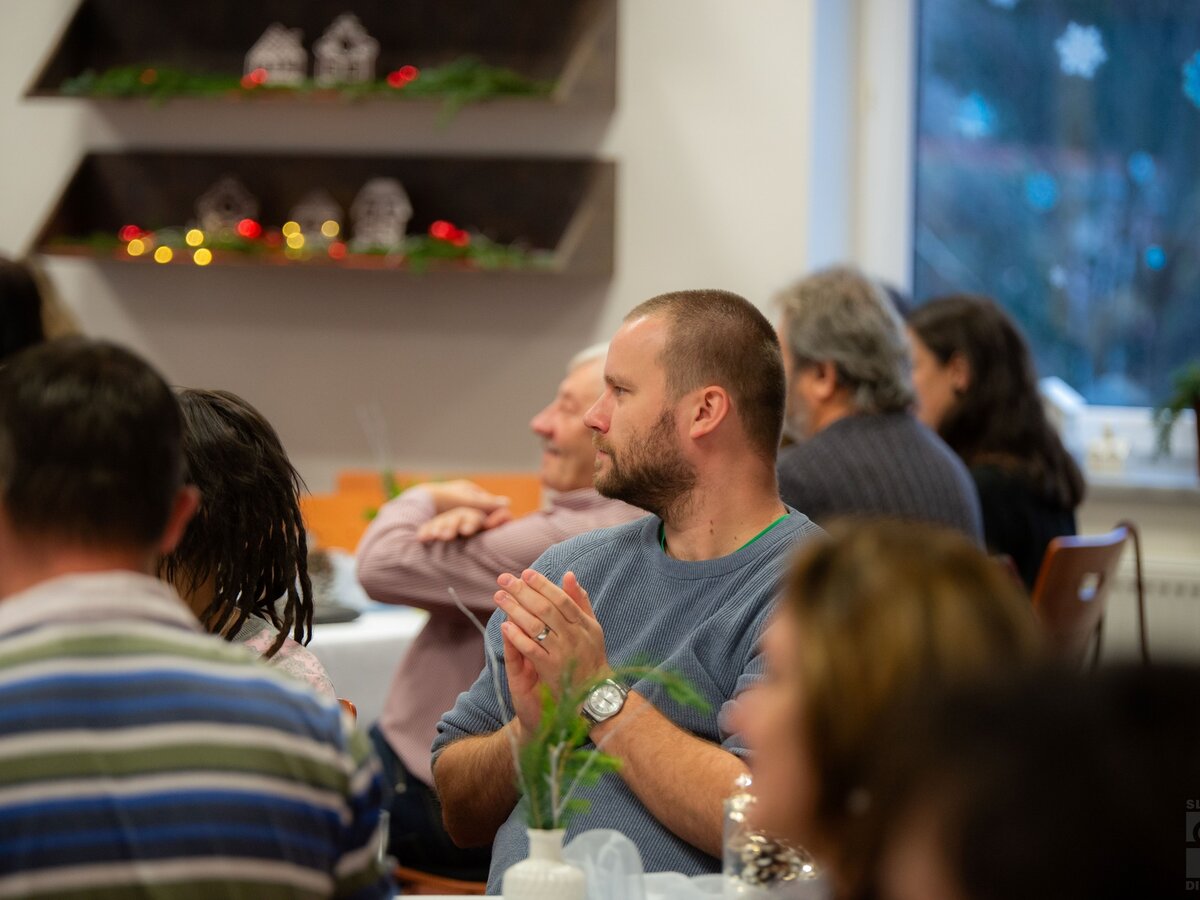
{"x":445,"y":246}
{"x":459,"y":83}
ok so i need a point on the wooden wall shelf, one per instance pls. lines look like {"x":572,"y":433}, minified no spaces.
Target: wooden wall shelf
{"x":571,"y":43}
{"x":564,"y":207}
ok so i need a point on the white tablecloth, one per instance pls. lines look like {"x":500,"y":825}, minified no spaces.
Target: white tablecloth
{"x":361,"y":656}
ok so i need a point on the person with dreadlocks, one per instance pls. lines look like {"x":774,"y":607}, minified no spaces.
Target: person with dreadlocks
{"x":242,"y":565}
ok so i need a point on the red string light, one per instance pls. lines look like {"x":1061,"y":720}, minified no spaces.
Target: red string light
{"x":402,"y":76}
{"x":254,"y":78}
{"x":130,"y":232}
{"x":442,"y":230}
{"x":337,"y":250}
{"x":249,"y":229}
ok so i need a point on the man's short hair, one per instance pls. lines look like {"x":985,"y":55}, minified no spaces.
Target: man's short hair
{"x":90,"y":445}
{"x":718,"y":337}
{"x":839,"y":315}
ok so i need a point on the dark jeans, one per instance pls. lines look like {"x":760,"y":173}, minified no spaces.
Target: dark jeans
{"x":417,"y":837}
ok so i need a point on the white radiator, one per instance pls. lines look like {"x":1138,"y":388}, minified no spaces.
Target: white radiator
{"x":1172,"y":610}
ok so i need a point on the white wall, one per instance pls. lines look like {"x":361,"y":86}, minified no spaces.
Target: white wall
{"x":712,"y":138}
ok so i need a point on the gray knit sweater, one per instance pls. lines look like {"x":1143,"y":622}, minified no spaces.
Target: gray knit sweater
{"x":887,"y":465}
{"x":700,"y":619}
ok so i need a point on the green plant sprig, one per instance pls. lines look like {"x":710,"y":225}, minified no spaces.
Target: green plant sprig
{"x":555,"y":762}
{"x":1186,"y":395}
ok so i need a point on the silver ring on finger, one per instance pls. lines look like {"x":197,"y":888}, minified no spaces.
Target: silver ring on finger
{"x":541,"y":636}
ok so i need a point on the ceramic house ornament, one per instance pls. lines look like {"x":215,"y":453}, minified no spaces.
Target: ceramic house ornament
{"x":280,"y":53}
{"x":380,"y":213}
{"x":345,"y":53}
{"x":224,"y":205}
{"x":312,"y":213}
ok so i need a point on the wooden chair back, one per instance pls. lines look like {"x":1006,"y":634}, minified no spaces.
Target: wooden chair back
{"x":415,"y":882}
{"x":1071,"y":592}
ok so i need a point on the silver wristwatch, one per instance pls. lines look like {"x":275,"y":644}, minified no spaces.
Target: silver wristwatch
{"x":605,"y":701}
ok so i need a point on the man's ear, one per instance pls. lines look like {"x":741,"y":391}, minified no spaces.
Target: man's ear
{"x":709,"y":410}
{"x":186,"y":502}
{"x":824,"y":380}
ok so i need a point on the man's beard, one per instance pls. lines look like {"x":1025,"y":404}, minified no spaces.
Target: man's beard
{"x":651,"y":473}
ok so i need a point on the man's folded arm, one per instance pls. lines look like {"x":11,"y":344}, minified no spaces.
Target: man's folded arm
{"x":393,"y":566}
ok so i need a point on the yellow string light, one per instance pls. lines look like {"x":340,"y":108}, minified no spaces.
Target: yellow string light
{"x":330,"y":228}
{"x":136,"y":247}
{"x":164,"y":255}
{"x":202,"y":257}
{"x":295,"y":240}
{"x":290,"y":228}
{"x":194,"y":238}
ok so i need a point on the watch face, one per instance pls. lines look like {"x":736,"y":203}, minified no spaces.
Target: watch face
{"x":605,"y":701}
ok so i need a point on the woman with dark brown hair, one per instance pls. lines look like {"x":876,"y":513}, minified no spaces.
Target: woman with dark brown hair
{"x":242,"y":565}
{"x":977,"y":387}
{"x":872,"y":615}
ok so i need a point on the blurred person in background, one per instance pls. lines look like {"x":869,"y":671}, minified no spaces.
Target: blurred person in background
{"x":977,"y":386}
{"x":242,"y":565}
{"x":858,"y":450}
{"x":871,"y":616}
{"x":1050,"y":786}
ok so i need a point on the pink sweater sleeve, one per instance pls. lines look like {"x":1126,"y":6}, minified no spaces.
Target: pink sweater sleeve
{"x":394,"y":567}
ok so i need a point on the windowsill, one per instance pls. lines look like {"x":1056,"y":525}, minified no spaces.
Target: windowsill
{"x":1172,"y":481}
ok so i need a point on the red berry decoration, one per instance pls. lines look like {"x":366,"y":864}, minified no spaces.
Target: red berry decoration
{"x":460,"y":238}
{"x":396,"y":80}
{"x":249,"y":229}
{"x":442,"y":230}
{"x":408,"y":73}
{"x":337,"y":250}
{"x":148,"y":76}
{"x":254,"y":79}
{"x":130,"y":232}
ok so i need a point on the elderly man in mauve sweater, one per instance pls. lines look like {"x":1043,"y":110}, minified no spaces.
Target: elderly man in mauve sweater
{"x":686,"y":429}
{"x":455,"y":534}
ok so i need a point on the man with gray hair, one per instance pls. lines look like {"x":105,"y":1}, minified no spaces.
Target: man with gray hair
{"x":859,"y":451}
{"x":456,"y":534}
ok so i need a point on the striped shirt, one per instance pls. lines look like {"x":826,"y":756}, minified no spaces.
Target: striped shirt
{"x":140,"y":757}
{"x":699,"y":619}
{"x":445,"y":658}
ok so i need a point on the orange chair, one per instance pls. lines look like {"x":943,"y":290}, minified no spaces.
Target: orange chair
{"x":338,"y":520}
{"x":412,"y":881}
{"x":349,"y":709}
{"x":1071,"y":592}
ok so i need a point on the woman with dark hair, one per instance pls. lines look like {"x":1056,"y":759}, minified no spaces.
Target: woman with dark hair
{"x":242,"y":565}
{"x":872,"y":615}
{"x":977,"y":387}
{"x":20,"y":309}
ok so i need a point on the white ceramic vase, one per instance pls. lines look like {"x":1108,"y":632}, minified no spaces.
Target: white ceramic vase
{"x":544,"y":875}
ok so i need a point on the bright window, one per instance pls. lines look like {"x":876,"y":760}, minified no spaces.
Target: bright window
{"x":1058,"y":171}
